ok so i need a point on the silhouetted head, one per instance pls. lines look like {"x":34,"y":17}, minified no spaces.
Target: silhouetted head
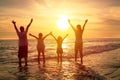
{"x":21,"y":28}
{"x":40,"y":35}
{"x":78,"y":27}
{"x":59,"y":38}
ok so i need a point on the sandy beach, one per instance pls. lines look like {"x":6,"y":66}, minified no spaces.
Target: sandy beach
{"x":99,"y":66}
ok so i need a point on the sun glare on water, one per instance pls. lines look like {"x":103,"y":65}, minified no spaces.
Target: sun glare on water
{"x":62,"y":23}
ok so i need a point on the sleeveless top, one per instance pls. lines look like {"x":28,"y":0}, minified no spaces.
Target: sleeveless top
{"x":78,"y":35}
{"x":40,"y":44}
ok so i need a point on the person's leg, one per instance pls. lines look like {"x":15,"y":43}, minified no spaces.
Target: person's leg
{"x":43,"y":54}
{"x":38,"y":57}
{"x":81,"y":53}
{"x":24,"y":54}
{"x":76,"y":51}
{"x":19,"y":56}
{"x":20,"y":61}
{"x":61,"y":57}
{"x":26,"y":61}
{"x":81,"y":56}
{"x":58,"y":56}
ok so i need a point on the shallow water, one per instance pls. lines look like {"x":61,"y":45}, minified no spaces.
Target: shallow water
{"x":68,"y":70}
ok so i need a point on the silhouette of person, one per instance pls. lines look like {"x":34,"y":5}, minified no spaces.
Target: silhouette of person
{"x":40,"y":45}
{"x":78,"y":42}
{"x":59,"y":51}
{"x":23,"y":42}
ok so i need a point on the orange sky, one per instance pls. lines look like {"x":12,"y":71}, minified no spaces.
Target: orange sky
{"x":103,"y":17}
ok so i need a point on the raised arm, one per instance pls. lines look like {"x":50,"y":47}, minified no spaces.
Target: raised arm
{"x":54,"y":37}
{"x":33,"y":36}
{"x":65,"y":36}
{"x":47,"y":35}
{"x":29,"y":25}
{"x":14,"y":23}
{"x":71,"y":25}
{"x":84,"y":24}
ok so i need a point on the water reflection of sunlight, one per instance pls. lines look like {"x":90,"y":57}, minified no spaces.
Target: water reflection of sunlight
{"x":64,"y":45}
{"x":66,"y":63}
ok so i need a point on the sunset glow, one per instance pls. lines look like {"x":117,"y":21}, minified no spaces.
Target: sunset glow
{"x":62,"y":23}
{"x":52,"y":15}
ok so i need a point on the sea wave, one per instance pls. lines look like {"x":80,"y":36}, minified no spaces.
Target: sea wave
{"x":99,"y":48}
{"x":90,"y":46}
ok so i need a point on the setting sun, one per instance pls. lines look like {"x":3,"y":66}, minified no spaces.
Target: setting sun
{"x":62,"y":23}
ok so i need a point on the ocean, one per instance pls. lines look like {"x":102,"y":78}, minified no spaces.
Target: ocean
{"x":9,"y":49}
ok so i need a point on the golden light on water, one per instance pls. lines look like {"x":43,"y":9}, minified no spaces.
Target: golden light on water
{"x":62,"y":23}
{"x":64,"y":46}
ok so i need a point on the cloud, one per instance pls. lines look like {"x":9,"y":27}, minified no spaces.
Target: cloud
{"x":110,"y":16}
{"x":112,"y":3}
{"x":19,"y":4}
{"x":56,"y":3}
{"x":99,"y":3}
{"x":102,"y":15}
{"x":112,"y":21}
{"x":45,"y":3}
{"x":17,"y":9}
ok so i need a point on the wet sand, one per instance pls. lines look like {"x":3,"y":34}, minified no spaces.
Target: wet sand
{"x":101,"y":66}
{"x":106,"y":63}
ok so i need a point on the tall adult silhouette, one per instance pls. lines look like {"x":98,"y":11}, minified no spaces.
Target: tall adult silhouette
{"x":78,"y":42}
{"x":23,"y":42}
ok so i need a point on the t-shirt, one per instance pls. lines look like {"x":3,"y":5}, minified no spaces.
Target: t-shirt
{"x":22,"y":38}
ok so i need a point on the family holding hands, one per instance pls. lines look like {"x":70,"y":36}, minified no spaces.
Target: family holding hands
{"x":23,"y":43}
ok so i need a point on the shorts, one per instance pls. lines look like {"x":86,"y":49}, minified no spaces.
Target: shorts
{"x":41,"y":49}
{"x":78,"y":46}
{"x":23,"y":51}
{"x":59,"y":50}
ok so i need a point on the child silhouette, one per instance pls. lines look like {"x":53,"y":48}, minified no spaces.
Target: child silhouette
{"x":59,"y":51}
{"x":40,"y":45}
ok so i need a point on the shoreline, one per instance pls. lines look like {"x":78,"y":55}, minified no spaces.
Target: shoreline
{"x":105,"y":63}
{"x":102,"y":66}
